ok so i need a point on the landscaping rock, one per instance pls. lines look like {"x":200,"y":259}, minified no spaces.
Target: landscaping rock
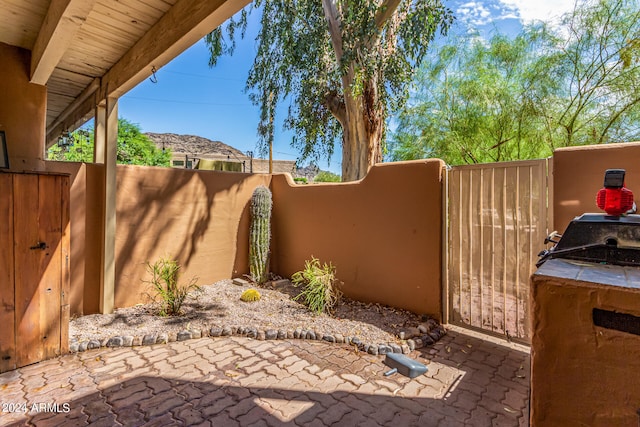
{"x":226,"y":331}
{"x":162,"y":339}
{"x":411,"y":344}
{"x":383,"y":349}
{"x":271,"y":334}
{"x":240,"y":282}
{"x":114,"y":342}
{"x":184,"y":335}
{"x":297,"y":333}
{"x":137,"y":341}
{"x":261,"y":335}
{"x":196,"y":333}
{"x":149,"y":340}
{"x":339,"y":339}
{"x":419,"y":343}
{"x":290,"y":334}
{"x":373,"y":349}
{"x":215,"y":331}
{"x":127,"y":341}
{"x":73,"y":347}
{"x":311,"y":335}
{"x":355,"y":341}
{"x":395,"y":348}
{"x":282,"y":334}
{"x":93,"y":344}
{"x":172,"y":337}
{"x":407,"y":333}
{"x":83,"y":346}
{"x":405,"y":349}
{"x":251,"y":332}
{"x":329,"y":338}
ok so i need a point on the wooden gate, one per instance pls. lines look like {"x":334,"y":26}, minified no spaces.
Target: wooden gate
{"x":497,"y":222}
{"x":34,"y":268}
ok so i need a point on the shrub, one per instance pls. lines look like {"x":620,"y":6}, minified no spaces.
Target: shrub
{"x":250,"y":295}
{"x":321,"y":288}
{"x":260,"y":234}
{"x":324,"y":176}
{"x":171,"y":294}
{"x":300,"y":180}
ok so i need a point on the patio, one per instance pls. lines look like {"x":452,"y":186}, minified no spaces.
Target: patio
{"x":472,"y":380}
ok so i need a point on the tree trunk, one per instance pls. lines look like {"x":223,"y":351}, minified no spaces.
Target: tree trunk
{"x":362,"y":134}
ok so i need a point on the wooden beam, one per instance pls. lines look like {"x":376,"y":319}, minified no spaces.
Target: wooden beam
{"x":106,"y":141}
{"x":76,"y":112}
{"x":63,"y":19}
{"x":181,"y":27}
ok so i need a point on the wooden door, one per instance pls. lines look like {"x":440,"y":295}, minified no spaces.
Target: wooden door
{"x":7,"y":295}
{"x":40,"y":279}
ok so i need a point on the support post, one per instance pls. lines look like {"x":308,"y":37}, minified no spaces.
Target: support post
{"x":106,"y":142}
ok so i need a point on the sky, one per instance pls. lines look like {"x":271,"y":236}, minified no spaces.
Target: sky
{"x":188,"y":97}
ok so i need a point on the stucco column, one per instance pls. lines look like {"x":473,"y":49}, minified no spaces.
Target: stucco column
{"x":106,"y":141}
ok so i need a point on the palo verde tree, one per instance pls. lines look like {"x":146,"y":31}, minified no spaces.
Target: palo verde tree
{"x":519,"y":98}
{"x":343,"y":65}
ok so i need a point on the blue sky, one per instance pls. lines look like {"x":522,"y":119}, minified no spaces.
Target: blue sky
{"x":191,"y":98}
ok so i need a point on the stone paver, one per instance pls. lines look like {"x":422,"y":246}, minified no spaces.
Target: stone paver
{"x":472,"y":381}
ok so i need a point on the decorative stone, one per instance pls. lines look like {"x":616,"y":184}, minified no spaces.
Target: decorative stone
{"x":93,"y":344}
{"x":407,"y":333}
{"x":356,"y":341}
{"x":137,"y":341}
{"x":73,"y":347}
{"x":172,"y":337}
{"x":149,"y":340}
{"x":339,"y":338}
{"x":311,"y":335}
{"x":435,"y":335}
{"x":282,"y":334}
{"x":373,"y":349}
{"x":184,"y":335}
{"x":261,"y":335}
{"x":83,"y":346}
{"x":411,"y":344}
{"x":405,"y":349}
{"x":162,"y":339}
{"x":127,"y":341}
{"x":240,"y":282}
{"x":383,"y":349}
{"x":226,"y":331}
{"x":114,"y":342}
{"x":290,"y":334}
{"x":271,"y":334}
{"x":103,"y":343}
{"x":215,"y":331}
{"x":423,"y":328}
{"x":329,"y":338}
{"x":196,"y":333}
{"x":395,"y":348}
{"x":427,"y":339}
{"x":419,"y":343}
{"x":319,"y":335}
{"x":251,"y":332}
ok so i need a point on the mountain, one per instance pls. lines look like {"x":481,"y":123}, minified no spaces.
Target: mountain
{"x":192,"y":145}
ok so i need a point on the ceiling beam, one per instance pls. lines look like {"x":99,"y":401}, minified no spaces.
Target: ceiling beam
{"x":179,"y":28}
{"x":76,"y":114}
{"x":64,"y":18}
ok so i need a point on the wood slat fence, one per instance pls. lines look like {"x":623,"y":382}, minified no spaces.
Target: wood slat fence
{"x":497,"y":221}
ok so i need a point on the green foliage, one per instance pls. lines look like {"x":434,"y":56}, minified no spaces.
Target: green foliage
{"x":321,"y":288}
{"x":339,"y":65}
{"x":170,"y":294}
{"x":300,"y":180}
{"x":250,"y":295}
{"x":134,"y":148}
{"x":325,"y":176}
{"x":519,"y":98}
{"x":260,"y":234}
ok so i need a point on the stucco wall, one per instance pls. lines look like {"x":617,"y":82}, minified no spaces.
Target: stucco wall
{"x":383,"y":233}
{"x":199,"y":218}
{"x":582,"y":374}
{"x":22,"y":110}
{"x":578,"y":174}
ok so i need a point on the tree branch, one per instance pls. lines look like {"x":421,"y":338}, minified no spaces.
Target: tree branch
{"x":386,"y":10}
{"x":333,"y":21}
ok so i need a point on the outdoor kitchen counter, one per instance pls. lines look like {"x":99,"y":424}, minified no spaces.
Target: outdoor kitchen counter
{"x":582,"y":373}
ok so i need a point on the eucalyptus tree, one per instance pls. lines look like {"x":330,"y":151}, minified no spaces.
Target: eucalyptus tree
{"x":342,"y":64}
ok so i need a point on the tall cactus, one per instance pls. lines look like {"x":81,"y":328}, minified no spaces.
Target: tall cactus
{"x":260,"y":233}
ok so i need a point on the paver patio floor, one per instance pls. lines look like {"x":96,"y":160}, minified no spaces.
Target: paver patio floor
{"x":238,"y":381}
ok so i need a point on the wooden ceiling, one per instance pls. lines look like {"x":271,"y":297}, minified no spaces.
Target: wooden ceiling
{"x":87,"y":50}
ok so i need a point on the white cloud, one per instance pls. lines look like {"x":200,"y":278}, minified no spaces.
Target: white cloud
{"x":474,"y":12}
{"x":539,"y":10}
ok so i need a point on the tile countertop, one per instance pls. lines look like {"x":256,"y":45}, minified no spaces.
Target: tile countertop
{"x":599,"y":274}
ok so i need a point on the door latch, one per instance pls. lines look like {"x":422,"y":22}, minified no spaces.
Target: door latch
{"x":40,"y":245}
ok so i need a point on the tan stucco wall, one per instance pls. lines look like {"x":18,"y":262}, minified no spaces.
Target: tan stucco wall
{"x":578,"y":174}
{"x":383,"y":233}
{"x":200,"y":218}
{"x":582,"y":375}
{"x":22,"y":110}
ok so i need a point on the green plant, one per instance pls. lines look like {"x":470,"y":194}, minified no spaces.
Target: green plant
{"x":300,"y":180}
{"x":250,"y":295}
{"x":325,"y":176}
{"x":260,"y":234}
{"x":321,"y":288}
{"x":164,"y":278}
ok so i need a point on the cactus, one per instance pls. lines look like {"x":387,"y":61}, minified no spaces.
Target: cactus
{"x":260,"y":234}
{"x":250,"y":295}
